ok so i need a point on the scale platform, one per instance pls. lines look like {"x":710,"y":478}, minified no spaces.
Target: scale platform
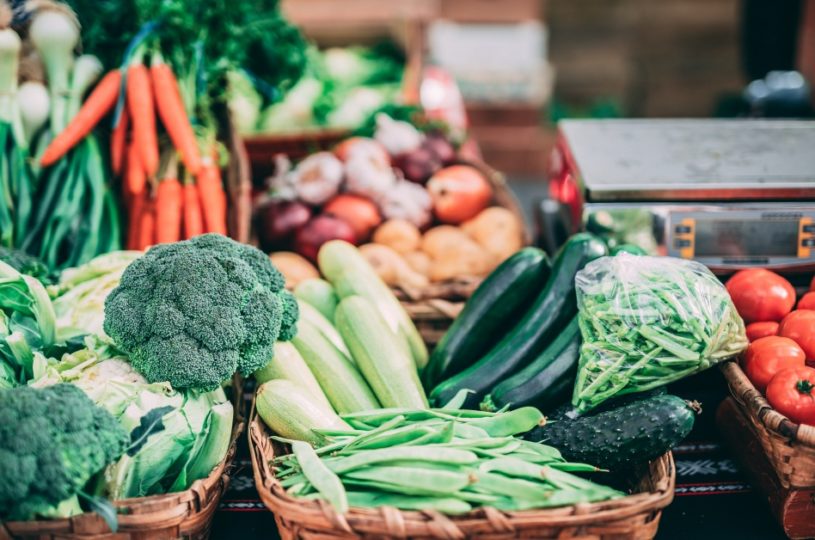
{"x":692,"y":160}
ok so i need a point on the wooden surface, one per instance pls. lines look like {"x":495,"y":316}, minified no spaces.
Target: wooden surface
{"x":793,"y":508}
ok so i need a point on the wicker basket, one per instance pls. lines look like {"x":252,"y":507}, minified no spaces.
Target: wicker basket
{"x":790,"y":447}
{"x":187,"y":514}
{"x":635,"y":517}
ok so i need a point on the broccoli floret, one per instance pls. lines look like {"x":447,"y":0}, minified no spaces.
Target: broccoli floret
{"x":52,"y":441}
{"x":194,"y":312}
{"x":26,"y":264}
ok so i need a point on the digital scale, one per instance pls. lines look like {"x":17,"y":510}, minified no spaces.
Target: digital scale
{"x":728,"y":193}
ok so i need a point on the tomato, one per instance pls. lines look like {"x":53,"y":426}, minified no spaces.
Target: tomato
{"x":799,"y":326}
{"x":812,"y":284}
{"x":767,"y":356}
{"x":760,"y":295}
{"x":807,"y":301}
{"x":459,"y":193}
{"x":761,"y":329}
{"x":792,"y":393}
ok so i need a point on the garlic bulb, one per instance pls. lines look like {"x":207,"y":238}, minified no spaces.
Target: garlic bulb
{"x":318,"y":178}
{"x":396,"y":136}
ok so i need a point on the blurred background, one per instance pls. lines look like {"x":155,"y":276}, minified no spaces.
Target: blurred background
{"x":521,"y":65}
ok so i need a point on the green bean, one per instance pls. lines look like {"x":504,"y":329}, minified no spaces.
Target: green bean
{"x":439,"y":481}
{"x":320,"y":476}
{"x":510,"y":423}
{"x":447,"y":505}
{"x":458,"y":400}
{"x":401,"y":453}
{"x":499,"y":484}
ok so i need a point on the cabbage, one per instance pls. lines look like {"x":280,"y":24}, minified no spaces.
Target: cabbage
{"x":79,"y":302}
{"x":189,"y":432}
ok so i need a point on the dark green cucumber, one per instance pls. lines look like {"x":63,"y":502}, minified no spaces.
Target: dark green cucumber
{"x":553,"y":308}
{"x":496,"y":305}
{"x":633,"y":433}
{"x":547,"y":381}
{"x":628,"y":248}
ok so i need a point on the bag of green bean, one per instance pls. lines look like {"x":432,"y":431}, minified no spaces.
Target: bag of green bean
{"x":649,"y":321}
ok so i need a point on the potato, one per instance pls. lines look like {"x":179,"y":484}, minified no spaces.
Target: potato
{"x":399,"y":235}
{"x":294,"y":267}
{"x":439,"y":240}
{"x":497,"y":230}
{"x":391,"y":267}
{"x":465,"y":258}
{"x":419,"y":261}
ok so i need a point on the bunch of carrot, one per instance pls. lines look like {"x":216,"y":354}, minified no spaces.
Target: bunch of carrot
{"x":165,"y":202}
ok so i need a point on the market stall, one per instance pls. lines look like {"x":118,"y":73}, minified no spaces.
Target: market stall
{"x":256,"y":286}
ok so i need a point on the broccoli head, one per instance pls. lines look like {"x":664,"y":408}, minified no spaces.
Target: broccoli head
{"x":52,"y":441}
{"x":26,"y":264}
{"x":194,"y":312}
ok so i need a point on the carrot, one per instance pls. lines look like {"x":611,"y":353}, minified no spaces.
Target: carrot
{"x":118,"y":143}
{"x":193,"y":221}
{"x":95,"y":107}
{"x":135,"y":210}
{"x":169,"y":200}
{"x":135,"y":179}
{"x":211,"y":194}
{"x":147,"y":225}
{"x":173,"y":114}
{"x":143,"y":116}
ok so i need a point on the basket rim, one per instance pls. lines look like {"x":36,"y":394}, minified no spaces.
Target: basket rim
{"x":746,"y":394}
{"x":137,"y":512}
{"x":276,"y":499}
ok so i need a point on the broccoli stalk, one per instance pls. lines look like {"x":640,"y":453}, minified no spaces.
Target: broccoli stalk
{"x":52,"y":442}
{"x":194,"y":312}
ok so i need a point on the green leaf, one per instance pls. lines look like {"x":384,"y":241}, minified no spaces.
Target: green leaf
{"x":150,"y":424}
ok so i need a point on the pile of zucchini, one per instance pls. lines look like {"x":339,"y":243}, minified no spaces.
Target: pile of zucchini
{"x":517,"y":343}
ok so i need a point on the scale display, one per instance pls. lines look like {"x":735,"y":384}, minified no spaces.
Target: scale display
{"x":751,"y":238}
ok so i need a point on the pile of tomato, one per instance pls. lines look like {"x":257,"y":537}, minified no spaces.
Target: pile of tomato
{"x":782,"y":340}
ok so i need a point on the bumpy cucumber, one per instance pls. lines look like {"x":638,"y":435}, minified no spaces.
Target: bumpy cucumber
{"x":632,"y":433}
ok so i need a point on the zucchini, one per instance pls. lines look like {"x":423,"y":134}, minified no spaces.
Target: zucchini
{"x":340,"y":380}
{"x":350,"y":274}
{"x":495,"y":306}
{"x":547,"y":381}
{"x":553,"y":308}
{"x":318,"y":293}
{"x":315,"y":318}
{"x":287,"y":363}
{"x":379,"y":355}
{"x":632,"y":433}
{"x":289,"y":412}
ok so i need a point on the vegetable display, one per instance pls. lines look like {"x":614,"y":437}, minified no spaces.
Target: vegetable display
{"x":648,"y":321}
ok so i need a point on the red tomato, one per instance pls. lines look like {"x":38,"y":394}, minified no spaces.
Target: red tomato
{"x":799,"y":326}
{"x":769,"y":355}
{"x":792,"y":393}
{"x":807,"y":301}
{"x":459,"y":193}
{"x":812,"y":284}
{"x":761,"y":329}
{"x":761,"y":295}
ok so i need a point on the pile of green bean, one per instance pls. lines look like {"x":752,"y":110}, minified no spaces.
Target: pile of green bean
{"x":448,"y":460}
{"x":649,"y":321}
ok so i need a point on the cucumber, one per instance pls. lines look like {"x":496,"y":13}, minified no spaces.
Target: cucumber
{"x":632,"y":433}
{"x":319,"y":294}
{"x":315,"y":318}
{"x":287,"y":363}
{"x":350,"y":274}
{"x":547,"y":381}
{"x":495,"y":306}
{"x":380,"y":356}
{"x":289,"y":412}
{"x":553,"y":308}
{"x":628,"y":248}
{"x":340,"y":380}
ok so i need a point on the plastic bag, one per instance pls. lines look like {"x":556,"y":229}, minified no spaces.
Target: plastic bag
{"x":648,"y":321}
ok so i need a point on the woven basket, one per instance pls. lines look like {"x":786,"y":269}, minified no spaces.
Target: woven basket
{"x":187,"y":514}
{"x":635,"y":517}
{"x":790,"y":447}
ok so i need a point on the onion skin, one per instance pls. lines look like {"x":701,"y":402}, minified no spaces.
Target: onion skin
{"x":359,"y":212}
{"x":278,"y":221}
{"x":320,"y":230}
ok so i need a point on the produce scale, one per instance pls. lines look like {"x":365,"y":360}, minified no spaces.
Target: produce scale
{"x":730,"y":194}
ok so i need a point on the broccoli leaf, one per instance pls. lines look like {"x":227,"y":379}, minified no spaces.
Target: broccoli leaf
{"x":104,"y":508}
